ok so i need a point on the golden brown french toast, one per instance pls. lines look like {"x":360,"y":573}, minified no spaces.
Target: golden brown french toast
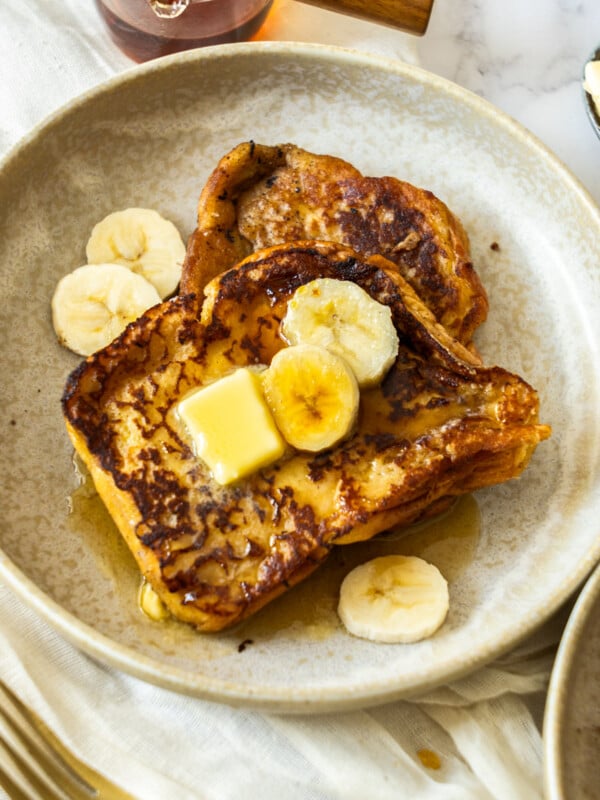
{"x":260,"y":195}
{"x":439,"y":425}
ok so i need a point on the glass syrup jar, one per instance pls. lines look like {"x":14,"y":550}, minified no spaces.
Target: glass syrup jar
{"x":146,"y":29}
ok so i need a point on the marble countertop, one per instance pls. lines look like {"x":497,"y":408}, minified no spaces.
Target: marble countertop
{"x":527,"y":58}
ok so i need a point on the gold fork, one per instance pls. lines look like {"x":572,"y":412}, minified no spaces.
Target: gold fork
{"x":36,"y":765}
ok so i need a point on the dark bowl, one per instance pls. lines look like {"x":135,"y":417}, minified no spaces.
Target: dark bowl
{"x":592,"y":112}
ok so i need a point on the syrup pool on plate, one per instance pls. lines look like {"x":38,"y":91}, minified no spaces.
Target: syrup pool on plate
{"x":449,"y":541}
{"x":308,"y":610}
{"x":146,"y":29}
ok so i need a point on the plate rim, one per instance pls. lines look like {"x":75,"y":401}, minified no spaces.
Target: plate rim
{"x":555,"y":710}
{"x":272,"y":698}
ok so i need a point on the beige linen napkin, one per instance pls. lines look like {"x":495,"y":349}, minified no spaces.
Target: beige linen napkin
{"x":157,"y":744}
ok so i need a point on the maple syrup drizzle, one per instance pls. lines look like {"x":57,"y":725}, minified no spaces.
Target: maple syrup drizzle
{"x":449,"y":541}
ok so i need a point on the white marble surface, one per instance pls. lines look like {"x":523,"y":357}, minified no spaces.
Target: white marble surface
{"x":527,"y":58}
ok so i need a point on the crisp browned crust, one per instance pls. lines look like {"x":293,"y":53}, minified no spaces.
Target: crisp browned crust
{"x":439,"y":425}
{"x":259,"y":196}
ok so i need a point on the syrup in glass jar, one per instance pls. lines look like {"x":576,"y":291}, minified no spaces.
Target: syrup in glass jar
{"x":146,"y":29}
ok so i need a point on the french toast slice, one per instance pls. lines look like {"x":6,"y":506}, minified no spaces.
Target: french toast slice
{"x":260,"y":195}
{"x":439,"y":425}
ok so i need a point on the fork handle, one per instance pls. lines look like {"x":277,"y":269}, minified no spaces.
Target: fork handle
{"x":408,"y":15}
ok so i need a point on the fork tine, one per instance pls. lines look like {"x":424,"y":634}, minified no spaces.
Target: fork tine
{"x":23,"y":738}
{"x":41,"y":774}
{"x":42,"y":748}
{"x":12,"y":778}
{"x":20,"y":755}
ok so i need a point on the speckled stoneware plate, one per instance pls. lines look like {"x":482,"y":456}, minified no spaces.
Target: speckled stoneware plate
{"x":150,"y":138}
{"x":572,"y":717}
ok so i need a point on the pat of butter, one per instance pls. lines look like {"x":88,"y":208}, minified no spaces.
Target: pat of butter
{"x":232,"y":427}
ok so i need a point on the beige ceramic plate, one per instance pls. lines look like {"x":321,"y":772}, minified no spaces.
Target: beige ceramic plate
{"x":150,"y":138}
{"x":572,"y":717}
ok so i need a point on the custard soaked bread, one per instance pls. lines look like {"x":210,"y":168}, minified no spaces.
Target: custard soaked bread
{"x":438,"y":425}
{"x":259,"y":196}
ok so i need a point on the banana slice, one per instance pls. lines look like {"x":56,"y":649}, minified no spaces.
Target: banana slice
{"x":342,"y":317}
{"x":313,"y":395}
{"x":144,"y":242}
{"x":394,"y":599}
{"x":94,"y":303}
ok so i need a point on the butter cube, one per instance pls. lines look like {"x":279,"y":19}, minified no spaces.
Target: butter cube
{"x":232,"y":427}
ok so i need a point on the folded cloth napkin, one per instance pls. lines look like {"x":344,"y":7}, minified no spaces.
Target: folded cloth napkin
{"x":477,"y":738}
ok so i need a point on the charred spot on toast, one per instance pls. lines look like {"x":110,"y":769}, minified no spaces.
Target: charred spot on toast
{"x":259,"y":196}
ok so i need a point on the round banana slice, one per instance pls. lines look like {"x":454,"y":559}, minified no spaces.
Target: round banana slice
{"x":342,"y":317}
{"x":394,"y":599}
{"x":94,"y":303}
{"x":144,"y":242}
{"x":313,"y":396}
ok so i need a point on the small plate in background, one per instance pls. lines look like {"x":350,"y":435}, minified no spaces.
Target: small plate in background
{"x":592,"y":111}
{"x":572,"y":717}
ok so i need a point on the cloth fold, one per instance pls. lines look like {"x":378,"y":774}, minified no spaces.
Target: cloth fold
{"x":478,"y":737}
